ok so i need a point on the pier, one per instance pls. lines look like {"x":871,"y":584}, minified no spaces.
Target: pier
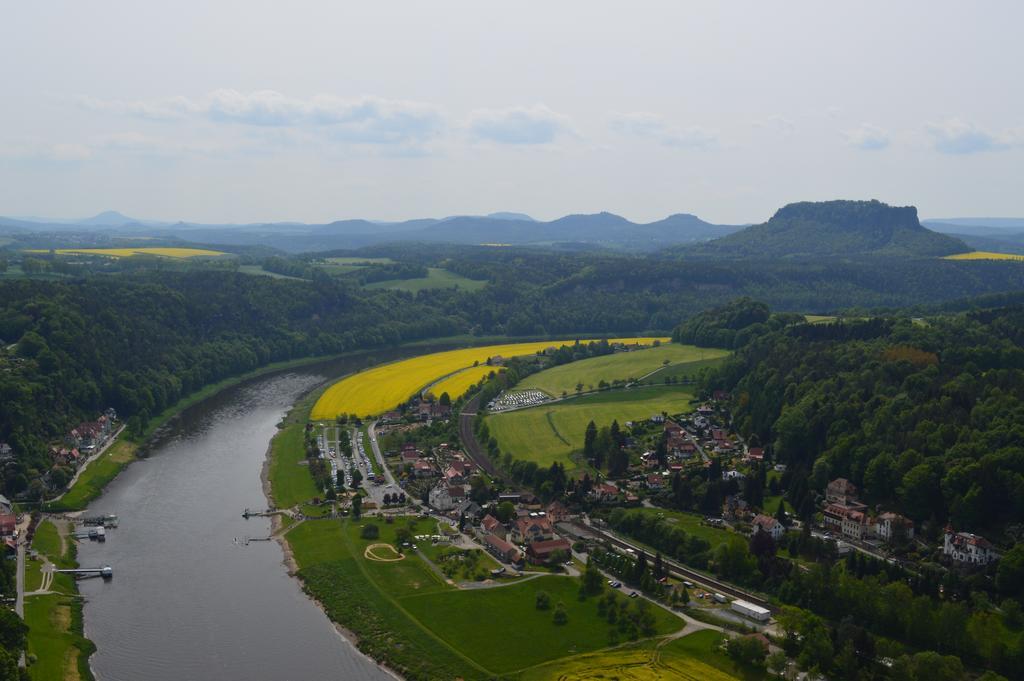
{"x":106,"y":572}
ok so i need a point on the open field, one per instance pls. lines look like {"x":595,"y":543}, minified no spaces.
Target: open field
{"x":684,"y":371}
{"x":531,"y":637}
{"x":551,"y":432}
{"x":694,"y":657}
{"x":382,"y":388}
{"x":691,"y":523}
{"x":358,"y":261}
{"x":984,"y":255}
{"x":55,"y":623}
{"x":128,"y":252}
{"x":819,"y":318}
{"x":619,"y":366}
{"x":436,"y":278}
{"x":439,"y":627}
{"x":290,"y":480}
{"x":259,"y":271}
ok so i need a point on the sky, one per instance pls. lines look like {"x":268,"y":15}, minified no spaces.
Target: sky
{"x":316,"y":111}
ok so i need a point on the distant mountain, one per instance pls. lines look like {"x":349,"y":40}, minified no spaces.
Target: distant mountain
{"x":108,"y":218}
{"x":951,"y":224}
{"x":504,"y":215}
{"x":835,"y":228}
{"x":599,"y":230}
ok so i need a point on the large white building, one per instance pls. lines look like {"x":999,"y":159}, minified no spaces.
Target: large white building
{"x":440,"y":498}
{"x":971,"y":549}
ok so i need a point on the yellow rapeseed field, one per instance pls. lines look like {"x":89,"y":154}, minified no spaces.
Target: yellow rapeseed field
{"x":457,"y":384}
{"x":379,"y":389}
{"x":128,"y":252}
{"x":984,"y":255}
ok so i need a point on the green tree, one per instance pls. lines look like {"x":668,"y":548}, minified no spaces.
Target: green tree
{"x":542,"y":600}
{"x":506,"y":510}
{"x":1010,"y":571}
{"x":593,"y":580}
{"x":560,"y":616}
{"x":357,"y":507}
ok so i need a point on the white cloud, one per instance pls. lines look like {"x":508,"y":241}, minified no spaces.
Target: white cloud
{"x":363,"y":120}
{"x":954,"y":136}
{"x":653,"y":127}
{"x":867,"y":137}
{"x":519,"y":125}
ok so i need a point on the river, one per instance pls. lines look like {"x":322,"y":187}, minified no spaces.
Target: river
{"x":189,"y":601}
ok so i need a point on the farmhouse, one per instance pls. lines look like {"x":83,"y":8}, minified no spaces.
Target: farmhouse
{"x":422,"y":469}
{"x":541,"y":551}
{"x":501,"y":549}
{"x":768,"y":524}
{"x":605,"y":492}
{"x":755,"y":455}
{"x":8,"y":524}
{"x":967,"y":548}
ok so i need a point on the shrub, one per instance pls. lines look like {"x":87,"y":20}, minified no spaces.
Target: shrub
{"x":543,"y":601}
{"x":370,"y":531}
{"x":560,"y":616}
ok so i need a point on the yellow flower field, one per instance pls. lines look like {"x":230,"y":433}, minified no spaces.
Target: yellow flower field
{"x":379,"y":389}
{"x":984,"y":255}
{"x":457,"y":384}
{"x":128,"y":252}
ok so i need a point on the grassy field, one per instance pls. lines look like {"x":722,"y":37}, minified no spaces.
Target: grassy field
{"x":55,"y":620}
{"x":436,"y":278}
{"x":382,"y":388}
{"x":358,"y":261}
{"x":694,"y":657}
{"x":984,"y":255}
{"x":530,"y":637}
{"x":620,"y":366}
{"x":290,"y":481}
{"x":549,"y":433}
{"x":55,"y":640}
{"x":407,"y":615}
{"x":259,"y":271}
{"x":692,"y":524}
{"x":684,"y":371}
{"x":128,"y":252}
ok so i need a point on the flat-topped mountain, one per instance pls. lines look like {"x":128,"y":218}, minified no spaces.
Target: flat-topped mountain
{"x":835,"y":228}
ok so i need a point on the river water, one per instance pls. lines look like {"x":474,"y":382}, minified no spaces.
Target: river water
{"x":189,"y":601}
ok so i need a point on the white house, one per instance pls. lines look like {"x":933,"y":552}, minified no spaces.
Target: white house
{"x":770,"y":525}
{"x":888,"y":525}
{"x":440,"y":498}
{"x":971,"y":549}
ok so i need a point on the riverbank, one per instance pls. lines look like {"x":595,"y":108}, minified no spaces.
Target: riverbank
{"x":100,"y":472}
{"x":57,"y":647}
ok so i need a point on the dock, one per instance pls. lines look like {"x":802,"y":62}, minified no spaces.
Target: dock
{"x":106,"y":572}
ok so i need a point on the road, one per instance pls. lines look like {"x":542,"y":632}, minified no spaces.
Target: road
{"x":371,"y":430}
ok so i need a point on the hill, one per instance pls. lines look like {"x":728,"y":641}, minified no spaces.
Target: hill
{"x":835,"y":228}
{"x":599,"y":230}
